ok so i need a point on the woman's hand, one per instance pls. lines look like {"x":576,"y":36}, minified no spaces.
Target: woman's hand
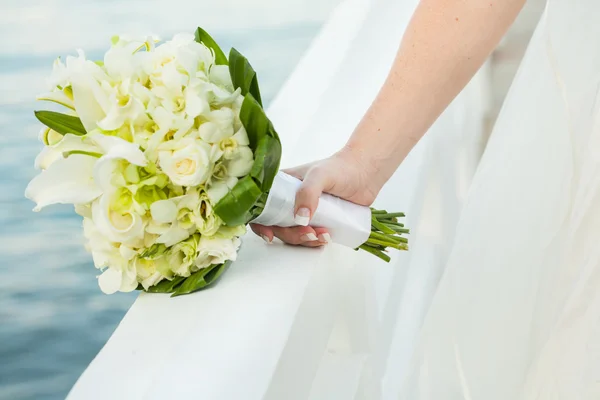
{"x":346,"y":174}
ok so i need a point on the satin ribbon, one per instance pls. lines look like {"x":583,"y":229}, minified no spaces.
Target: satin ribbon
{"x":348,"y":224}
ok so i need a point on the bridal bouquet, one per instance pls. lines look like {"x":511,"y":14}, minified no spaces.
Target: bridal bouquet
{"x":166,"y":152}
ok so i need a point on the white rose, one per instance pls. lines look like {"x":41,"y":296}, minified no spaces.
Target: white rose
{"x":187,"y":162}
{"x":216,"y":250}
{"x":122,"y":226}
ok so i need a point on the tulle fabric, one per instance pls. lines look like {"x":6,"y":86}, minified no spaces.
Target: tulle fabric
{"x":517,"y":312}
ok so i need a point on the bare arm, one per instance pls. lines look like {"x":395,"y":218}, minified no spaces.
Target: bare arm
{"x":445,"y":44}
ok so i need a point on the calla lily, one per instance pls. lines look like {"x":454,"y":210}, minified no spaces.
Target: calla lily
{"x":68,"y":142}
{"x":66,"y":181}
{"x":91,"y":102}
{"x":58,"y":97}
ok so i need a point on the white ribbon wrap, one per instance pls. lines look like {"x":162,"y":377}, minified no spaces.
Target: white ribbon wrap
{"x":349,"y":224}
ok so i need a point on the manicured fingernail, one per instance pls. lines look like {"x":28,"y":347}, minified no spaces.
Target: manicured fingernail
{"x":325,"y":238}
{"x":309,"y":237}
{"x":302,"y":217}
{"x":266,"y":239}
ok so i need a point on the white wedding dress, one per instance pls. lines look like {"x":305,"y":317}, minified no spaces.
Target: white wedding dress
{"x":497,"y":298}
{"x":517,"y":313}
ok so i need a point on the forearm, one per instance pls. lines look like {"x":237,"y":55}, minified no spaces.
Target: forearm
{"x":445,"y":44}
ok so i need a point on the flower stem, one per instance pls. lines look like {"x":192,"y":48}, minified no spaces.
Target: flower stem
{"x":386,"y":233}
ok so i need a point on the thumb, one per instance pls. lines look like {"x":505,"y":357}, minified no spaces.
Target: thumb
{"x":307,"y":197}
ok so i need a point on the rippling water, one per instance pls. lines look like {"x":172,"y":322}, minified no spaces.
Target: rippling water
{"x":53,"y":319}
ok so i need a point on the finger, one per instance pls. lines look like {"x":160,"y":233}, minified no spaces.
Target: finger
{"x":265,"y":232}
{"x":323,"y":235}
{"x":299,"y":171}
{"x":307,"y":196}
{"x":298,"y":235}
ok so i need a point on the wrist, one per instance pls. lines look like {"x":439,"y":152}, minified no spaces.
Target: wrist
{"x":372,"y":168}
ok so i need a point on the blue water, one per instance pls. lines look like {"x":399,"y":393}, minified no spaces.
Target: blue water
{"x":53,"y":318}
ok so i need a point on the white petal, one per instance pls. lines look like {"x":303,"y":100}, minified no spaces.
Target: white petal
{"x":242,"y":162}
{"x":219,"y":74}
{"x":241,"y":137}
{"x":173,"y":236}
{"x":90,"y":101}
{"x":110,"y":281}
{"x":163,"y":211}
{"x":129,"y":279}
{"x":58,"y":97}
{"x":46,"y":157}
{"x":209,"y":132}
{"x":217,"y":191}
{"x":127,"y":252}
{"x":195,"y":104}
{"x":68,"y":142}
{"x":115,"y":147}
{"x":67,"y":181}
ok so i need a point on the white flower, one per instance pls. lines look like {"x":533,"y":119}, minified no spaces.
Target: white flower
{"x":240,"y":162}
{"x":123,"y":226}
{"x":123,"y":106}
{"x":59,"y":144}
{"x":164,"y":223}
{"x":186,"y":162}
{"x":115,"y":279}
{"x":66,"y":181}
{"x":207,"y":221}
{"x":104,"y":252}
{"x":220,"y":188}
{"x":216,"y":250}
{"x":218,"y":127}
{"x":182,"y":256}
{"x":150,"y":272}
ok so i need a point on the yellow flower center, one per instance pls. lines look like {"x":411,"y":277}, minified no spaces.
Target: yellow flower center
{"x":185,"y":166}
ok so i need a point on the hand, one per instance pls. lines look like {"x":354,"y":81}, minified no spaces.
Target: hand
{"x":346,"y":174}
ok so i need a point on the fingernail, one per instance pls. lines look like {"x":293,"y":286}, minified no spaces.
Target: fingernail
{"x":309,"y":237}
{"x":302,"y":217}
{"x":266,"y":239}
{"x":325,"y":238}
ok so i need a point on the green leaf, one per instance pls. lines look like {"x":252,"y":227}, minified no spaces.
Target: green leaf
{"x":61,"y":123}
{"x":255,"y":121}
{"x":201,"y":279}
{"x":203,"y":37}
{"x":235,"y":207}
{"x":166,"y":286}
{"x":243,"y":75}
{"x":266,"y":162}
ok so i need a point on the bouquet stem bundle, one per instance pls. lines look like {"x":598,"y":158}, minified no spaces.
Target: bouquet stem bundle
{"x":386,"y":232}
